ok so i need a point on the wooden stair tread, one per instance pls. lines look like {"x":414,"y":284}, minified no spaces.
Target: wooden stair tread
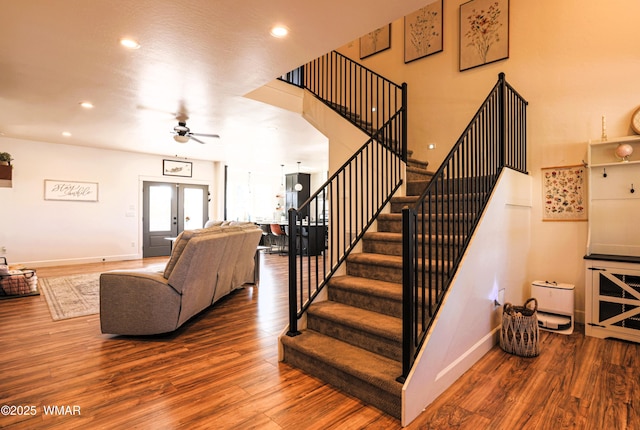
{"x":397,"y":216}
{"x":397,"y":237}
{"x":377,"y":370}
{"x":408,"y":199}
{"x":366,"y":321}
{"x":383,"y":235}
{"x":414,"y":162}
{"x":419,"y":169}
{"x":457,"y":196}
{"x":374,"y":287}
{"x":376,"y":259}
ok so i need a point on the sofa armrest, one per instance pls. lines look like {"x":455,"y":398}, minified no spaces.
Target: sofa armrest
{"x":137,"y":303}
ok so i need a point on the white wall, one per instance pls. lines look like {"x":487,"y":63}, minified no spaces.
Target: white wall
{"x":35,"y":231}
{"x":573,"y":60}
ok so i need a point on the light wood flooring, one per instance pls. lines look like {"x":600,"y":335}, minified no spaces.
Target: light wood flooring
{"x":221,"y":371}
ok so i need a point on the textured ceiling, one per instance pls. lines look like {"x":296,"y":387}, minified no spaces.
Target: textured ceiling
{"x":199,"y":57}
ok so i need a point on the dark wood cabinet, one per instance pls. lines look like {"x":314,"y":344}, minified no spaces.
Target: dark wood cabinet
{"x":295,"y":198}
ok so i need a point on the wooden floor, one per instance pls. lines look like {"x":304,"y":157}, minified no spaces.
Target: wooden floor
{"x":221,"y":371}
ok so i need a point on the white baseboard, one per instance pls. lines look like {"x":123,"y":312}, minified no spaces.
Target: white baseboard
{"x":85,"y":260}
{"x":472,"y":355}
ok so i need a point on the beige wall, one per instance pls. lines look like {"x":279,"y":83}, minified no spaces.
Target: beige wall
{"x":574,"y":61}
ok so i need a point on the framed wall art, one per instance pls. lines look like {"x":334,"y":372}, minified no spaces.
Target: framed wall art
{"x":70,"y":190}
{"x":484,"y":32}
{"x":176,"y":168}
{"x":423,"y":32}
{"x":564,"y":193}
{"x":376,"y":41}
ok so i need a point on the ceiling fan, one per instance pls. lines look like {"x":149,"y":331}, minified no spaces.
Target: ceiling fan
{"x":182,"y":133}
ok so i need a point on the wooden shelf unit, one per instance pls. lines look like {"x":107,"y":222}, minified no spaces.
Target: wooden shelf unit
{"x":612,"y":278}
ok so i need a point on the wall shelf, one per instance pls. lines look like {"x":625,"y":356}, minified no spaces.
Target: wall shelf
{"x":602,"y":153}
{"x":613,"y":207}
{"x":619,"y":163}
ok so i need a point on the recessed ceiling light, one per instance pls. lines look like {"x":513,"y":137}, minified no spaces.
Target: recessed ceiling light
{"x":279,"y":31}
{"x":129,"y":43}
{"x":86,"y":105}
{"x":66,"y":134}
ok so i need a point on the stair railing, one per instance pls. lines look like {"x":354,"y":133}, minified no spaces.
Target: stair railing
{"x":325,"y":229}
{"x":360,"y":95}
{"x":438,"y":228}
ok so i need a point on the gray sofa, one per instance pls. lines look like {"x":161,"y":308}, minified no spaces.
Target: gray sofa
{"x":205,"y":265}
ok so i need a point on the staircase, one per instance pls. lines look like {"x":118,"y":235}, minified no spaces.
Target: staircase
{"x":354,"y":339}
{"x":366,"y":336}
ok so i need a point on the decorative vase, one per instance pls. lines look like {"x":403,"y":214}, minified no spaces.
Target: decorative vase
{"x":624,"y":151}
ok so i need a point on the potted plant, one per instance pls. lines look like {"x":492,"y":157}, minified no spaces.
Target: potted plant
{"x":5,"y":159}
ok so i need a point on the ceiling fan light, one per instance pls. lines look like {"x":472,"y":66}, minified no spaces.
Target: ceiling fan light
{"x":181,"y":139}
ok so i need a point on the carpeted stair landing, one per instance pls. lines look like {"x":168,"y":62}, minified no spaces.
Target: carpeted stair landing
{"x":353,"y":340}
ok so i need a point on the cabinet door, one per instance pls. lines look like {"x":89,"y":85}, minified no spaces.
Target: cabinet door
{"x":616,"y":300}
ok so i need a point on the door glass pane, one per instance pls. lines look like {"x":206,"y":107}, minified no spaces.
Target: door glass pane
{"x":193,"y":208}
{"x":160,"y":208}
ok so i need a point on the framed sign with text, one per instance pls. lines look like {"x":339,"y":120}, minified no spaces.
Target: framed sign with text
{"x":70,"y":190}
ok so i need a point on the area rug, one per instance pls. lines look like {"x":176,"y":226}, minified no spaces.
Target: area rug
{"x":72,"y":296}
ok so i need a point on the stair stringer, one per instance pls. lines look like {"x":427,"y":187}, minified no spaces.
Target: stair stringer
{"x":468,"y":323}
{"x":280,"y":94}
{"x":345,"y":139}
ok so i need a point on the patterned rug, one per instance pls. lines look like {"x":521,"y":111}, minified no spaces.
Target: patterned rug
{"x":72,"y":296}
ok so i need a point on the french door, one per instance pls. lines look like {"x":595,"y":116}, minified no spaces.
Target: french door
{"x":168,"y":209}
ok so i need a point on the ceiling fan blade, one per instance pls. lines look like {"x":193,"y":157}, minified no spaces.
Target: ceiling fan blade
{"x":216,"y":136}
{"x":196,"y":139}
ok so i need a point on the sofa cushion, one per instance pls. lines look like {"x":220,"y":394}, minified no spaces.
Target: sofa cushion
{"x":181,"y":242}
{"x":195,"y":276}
{"x":243,"y":270}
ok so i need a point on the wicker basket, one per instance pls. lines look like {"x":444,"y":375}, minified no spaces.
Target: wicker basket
{"x":519,"y":334}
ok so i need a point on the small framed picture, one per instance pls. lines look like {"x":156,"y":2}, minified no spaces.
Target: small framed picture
{"x":176,"y":168}
{"x":376,"y":41}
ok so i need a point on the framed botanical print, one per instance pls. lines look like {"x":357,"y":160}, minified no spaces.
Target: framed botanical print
{"x":564,"y":193}
{"x":376,"y":41}
{"x":484,"y":32}
{"x":423,"y":32}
